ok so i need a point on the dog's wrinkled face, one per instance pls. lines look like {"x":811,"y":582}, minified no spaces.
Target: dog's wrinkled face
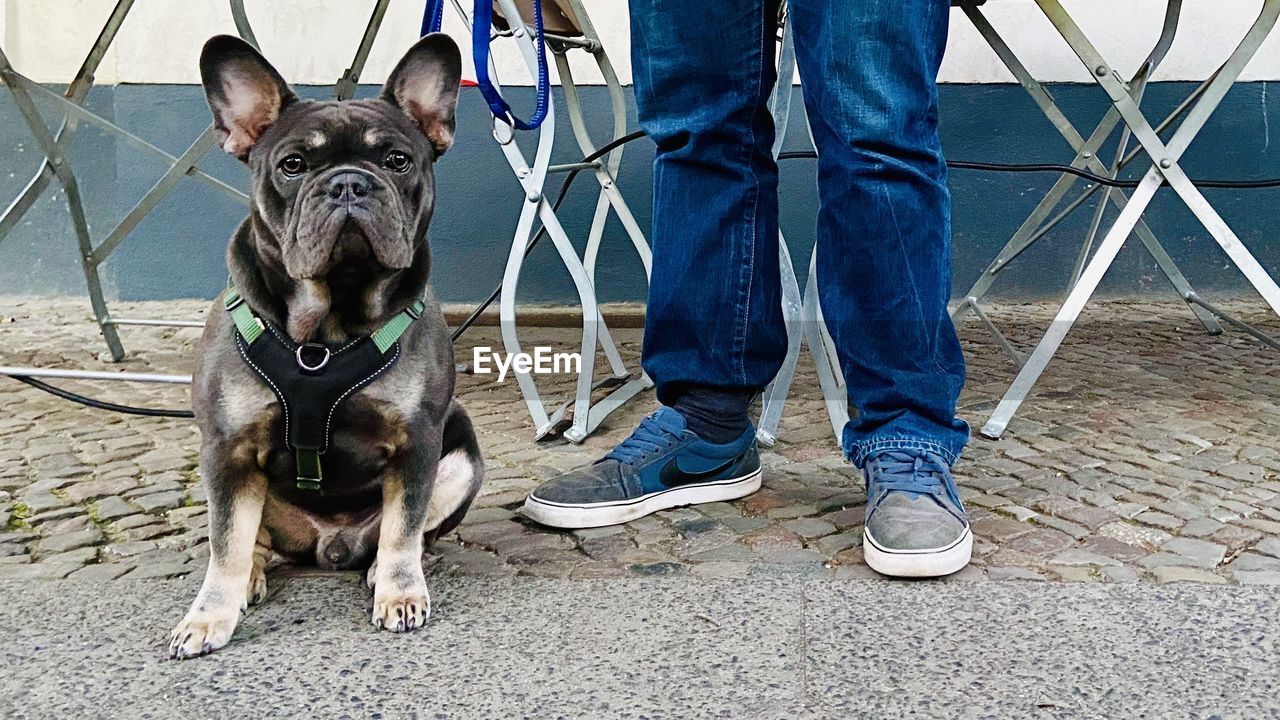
{"x":346,"y":184}
{"x":342,"y":191}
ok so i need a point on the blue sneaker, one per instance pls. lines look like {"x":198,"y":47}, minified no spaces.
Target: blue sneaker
{"x":661,"y":466}
{"x":916,"y":526}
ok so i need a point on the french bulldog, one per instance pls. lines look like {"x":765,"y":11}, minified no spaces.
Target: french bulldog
{"x":335,"y":247}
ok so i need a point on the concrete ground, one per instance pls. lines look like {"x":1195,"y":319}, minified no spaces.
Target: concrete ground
{"x":772,"y":646}
{"x":1140,"y":485}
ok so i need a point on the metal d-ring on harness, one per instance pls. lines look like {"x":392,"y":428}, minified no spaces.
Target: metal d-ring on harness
{"x":482,"y":23}
{"x":311,"y":379}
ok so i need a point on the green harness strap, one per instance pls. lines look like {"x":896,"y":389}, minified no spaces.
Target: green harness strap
{"x":310,"y":475}
{"x":387,"y":335}
{"x":250,"y":326}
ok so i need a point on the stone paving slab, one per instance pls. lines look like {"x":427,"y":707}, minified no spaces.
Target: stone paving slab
{"x":1147,"y":453}
{"x":759,"y":648}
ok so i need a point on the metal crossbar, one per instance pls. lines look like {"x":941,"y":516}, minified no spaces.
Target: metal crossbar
{"x":1164,"y":170}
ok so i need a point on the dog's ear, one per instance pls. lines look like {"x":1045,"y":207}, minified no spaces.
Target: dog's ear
{"x":425,"y":85}
{"x":245,"y":93}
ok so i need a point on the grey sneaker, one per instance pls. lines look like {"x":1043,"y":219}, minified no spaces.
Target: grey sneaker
{"x":916,"y":526}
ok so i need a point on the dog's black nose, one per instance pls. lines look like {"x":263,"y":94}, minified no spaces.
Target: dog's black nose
{"x":348,"y":187}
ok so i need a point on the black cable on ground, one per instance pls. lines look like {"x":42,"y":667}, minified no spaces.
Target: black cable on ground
{"x":1042,"y":167}
{"x":100,"y":404}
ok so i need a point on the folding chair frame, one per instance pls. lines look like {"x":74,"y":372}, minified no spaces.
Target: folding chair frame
{"x":582,"y":415}
{"x":1164,"y":170}
{"x":1038,"y":223}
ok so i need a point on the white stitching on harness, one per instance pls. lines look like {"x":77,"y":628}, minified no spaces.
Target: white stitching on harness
{"x":329,"y":420}
{"x":293,"y":346}
{"x":344,"y":347}
{"x":279,"y":337}
{"x":283,"y":403}
{"x":279,"y":395}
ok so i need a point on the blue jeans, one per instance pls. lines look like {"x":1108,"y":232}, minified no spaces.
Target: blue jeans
{"x":703,"y":73}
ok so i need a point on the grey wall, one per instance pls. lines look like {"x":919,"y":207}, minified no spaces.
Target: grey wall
{"x":177,"y":251}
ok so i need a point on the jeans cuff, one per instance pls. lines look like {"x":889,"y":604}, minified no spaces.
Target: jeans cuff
{"x":859,"y":452}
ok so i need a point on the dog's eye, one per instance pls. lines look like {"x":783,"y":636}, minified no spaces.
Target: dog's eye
{"x":397,"y":161}
{"x":293,"y":165}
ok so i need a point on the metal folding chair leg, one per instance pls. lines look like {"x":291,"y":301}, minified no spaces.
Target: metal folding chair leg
{"x":605,"y":170}
{"x":825,"y":359}
{"x":586,"y":417}
{"x":1166,"y":170}
{"x":607,"y":173}
{"x":76,"y":92}
{"x":775,"y":395}
{"x":579,"y":417}
{"x":805,"y":326}
{"x":71,"y":188}
{"x":55,"y":164}
{"x":802,"y":312}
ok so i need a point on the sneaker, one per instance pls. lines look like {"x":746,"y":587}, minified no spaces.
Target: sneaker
{"x":916,"y":526}
{"x":661,"y":466}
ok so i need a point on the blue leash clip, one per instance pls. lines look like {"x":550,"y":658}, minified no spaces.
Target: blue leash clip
{"x":482,"y":23}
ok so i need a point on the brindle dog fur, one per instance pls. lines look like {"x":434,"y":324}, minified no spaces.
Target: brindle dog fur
{"x":334,"y":246}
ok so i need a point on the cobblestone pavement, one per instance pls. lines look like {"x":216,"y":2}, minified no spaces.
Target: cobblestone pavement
{"x":1147,"y":453}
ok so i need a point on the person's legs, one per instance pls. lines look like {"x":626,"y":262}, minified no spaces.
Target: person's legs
{"x":884,"y":223}
{"x":869,"y":73}
{"x":714,"y":333}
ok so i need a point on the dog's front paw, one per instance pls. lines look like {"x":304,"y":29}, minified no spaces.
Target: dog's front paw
{"x":257,"y":590}
{"x":202,"y":632}
{"x":402,"y":610}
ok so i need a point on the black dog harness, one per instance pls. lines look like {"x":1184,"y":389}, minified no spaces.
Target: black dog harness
{"x":312,"y":379}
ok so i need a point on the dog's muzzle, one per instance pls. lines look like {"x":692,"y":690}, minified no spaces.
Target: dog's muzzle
{"x":348,"y":189}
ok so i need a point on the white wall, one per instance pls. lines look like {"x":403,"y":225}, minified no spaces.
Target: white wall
{"x":312,"y":41}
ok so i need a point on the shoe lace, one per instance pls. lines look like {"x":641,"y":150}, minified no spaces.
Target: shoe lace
{"x":919,"y":474}
{"x":648,"y":438}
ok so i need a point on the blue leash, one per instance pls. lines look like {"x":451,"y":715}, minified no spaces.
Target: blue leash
{"x":432,"y":16}
{"x":482,"y":21}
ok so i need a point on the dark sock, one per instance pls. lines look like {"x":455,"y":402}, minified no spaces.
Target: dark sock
{"x":717,"y":415}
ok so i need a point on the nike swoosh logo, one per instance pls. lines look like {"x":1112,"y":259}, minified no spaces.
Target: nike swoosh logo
{"x":672,"y":476}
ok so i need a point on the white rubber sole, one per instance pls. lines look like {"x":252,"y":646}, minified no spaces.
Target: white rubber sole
{"x":573,"y":517}
{"x":933,"y":562}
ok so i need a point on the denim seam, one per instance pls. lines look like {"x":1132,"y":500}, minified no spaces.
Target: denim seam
{"x":744,"y":319}
{"x":860,"y":451}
